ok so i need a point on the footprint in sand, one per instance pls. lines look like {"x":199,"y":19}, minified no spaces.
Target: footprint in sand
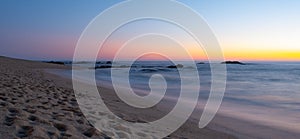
{"x":9,"y":120}
{"x":52,"y":133}
{"x":65,"y":135}
{"x":24,"y":131}
{"x":63,"y":130}
{"x":43,"y":107}
{"x":11,"y":116}
{"x":30,"y":110}
{"x":60,"y":127}
{"x":33,"y":118}
{"x":3,"y":103}
{"x":44,"y":101}
{"x":90,"y":132}
{"x":3,"y":98}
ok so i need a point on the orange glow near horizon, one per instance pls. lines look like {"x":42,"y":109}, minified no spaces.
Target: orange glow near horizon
{"x":263,"y":55}
{"x":198,"y":54}
{"x":234,"y":50}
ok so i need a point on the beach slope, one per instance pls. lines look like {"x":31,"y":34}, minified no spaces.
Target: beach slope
{"x":37,"y":104}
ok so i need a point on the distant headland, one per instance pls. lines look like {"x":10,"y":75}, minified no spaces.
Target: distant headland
{"x":233,"y":62}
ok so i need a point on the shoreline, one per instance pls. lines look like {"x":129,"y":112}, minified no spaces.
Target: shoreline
{"x":240,"y":125}
{"x":28,"y":87}
{"x":37,"y":104}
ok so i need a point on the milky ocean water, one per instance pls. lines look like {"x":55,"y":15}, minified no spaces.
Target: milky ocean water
{"x":267,"y":93}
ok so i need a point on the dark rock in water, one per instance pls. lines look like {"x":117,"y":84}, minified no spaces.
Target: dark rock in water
{"x":201,"y":63}
{"x":68,"y":62}
{"x":175,"y":66}
{"x":172,"y":67}
{"x":233,"y":62}
{"x":103,"y":67}
{"x":81,"y":62}
{"x":179,"y":66}
{"x":56,"y":62}
{"x":98,"y":62}
{"x":151,"y":66}
{"x":108,"y":62}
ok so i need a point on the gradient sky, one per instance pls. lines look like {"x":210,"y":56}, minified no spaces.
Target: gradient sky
{"x":246,"y":29}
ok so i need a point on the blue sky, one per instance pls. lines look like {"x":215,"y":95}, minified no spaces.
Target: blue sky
{"x":49,"y":29}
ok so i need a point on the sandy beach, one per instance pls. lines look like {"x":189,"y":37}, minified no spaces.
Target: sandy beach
{"x":36,"y":104}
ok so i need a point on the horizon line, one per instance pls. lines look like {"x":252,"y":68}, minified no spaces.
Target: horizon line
{"x":198,"y":60}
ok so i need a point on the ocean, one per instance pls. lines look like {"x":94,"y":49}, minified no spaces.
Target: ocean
{"x":267,"y":93}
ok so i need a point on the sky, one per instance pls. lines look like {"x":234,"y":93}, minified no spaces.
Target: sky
{"x":246,"y":30}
